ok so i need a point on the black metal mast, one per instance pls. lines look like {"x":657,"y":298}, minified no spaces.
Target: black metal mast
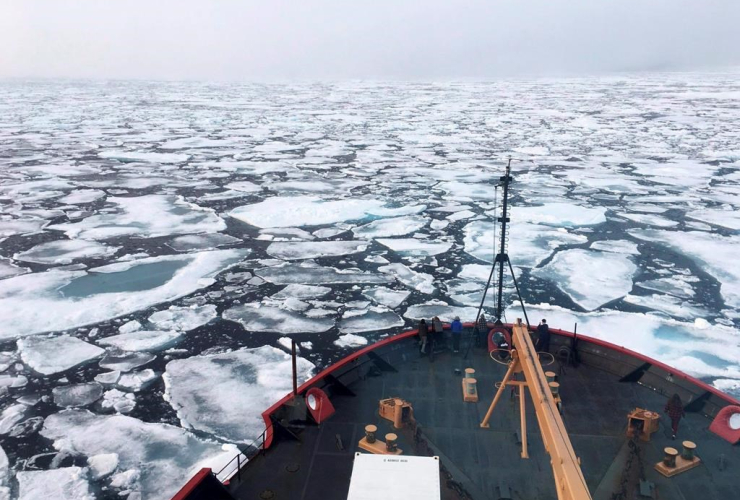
{"x":502,"y":258}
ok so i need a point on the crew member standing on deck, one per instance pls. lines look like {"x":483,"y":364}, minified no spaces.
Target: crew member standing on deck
{"x":438,"y":329}
{"x":543,"y":337}
{"x":481,"y":329}
{"x":457,"y":328}
{"x":674,"y":409}
{"x":423,"y":334}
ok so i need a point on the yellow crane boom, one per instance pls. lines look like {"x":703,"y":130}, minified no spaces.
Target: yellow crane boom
{"x":569,"y":481}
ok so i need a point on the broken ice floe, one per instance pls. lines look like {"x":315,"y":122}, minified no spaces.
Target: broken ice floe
{"x":124,"y":361}
{"x":67,"y":483}
{"x":247,"y":380}
{"x":145,"y":216}
{"x":415,"y":247}
{"x":302,"y":292}
{"x":57,"y":354}
{"x":59,"y":300}
{"x":172,"y":455}
{"x":444,"y":311}
{"x":65,"y":252}
{"x":350,"y":340}
{"x":310,"y":274}
{"x":369,"y":320}
{"x":383,"y":228}
{"x":142,"y":340}
{"x":77,"y":394}
{"x":412,"y":279}
{"x":314,"y":249}
{"x":561,"y":215}
{"x":192,"y":242}
{"x":386,"y":297}
{"x":591,"y":278}
{"x":262,"y":318}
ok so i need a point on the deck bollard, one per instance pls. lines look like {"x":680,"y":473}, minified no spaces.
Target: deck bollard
{"x":670,"y":457}
{"x":688,"y":450}
{"x":472,"y":391}
{"x":554,"y":388}
{"x":370,"y":431}
{"x":550,"y":376}
{"x":390,"y":442}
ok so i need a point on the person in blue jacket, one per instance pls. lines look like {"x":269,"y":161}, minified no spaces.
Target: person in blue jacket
{"x":457,"y":327}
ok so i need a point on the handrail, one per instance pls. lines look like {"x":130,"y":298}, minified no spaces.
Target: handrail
{"x":238,"y":458}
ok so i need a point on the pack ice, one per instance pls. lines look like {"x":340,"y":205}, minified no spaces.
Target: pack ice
{"x":225,"y":394}
{"x":60,"y":300}
{"x":57,"y":354}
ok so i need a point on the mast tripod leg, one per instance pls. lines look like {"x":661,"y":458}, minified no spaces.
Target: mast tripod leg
{"x":525,"y":453}
{"x":512,"y":368}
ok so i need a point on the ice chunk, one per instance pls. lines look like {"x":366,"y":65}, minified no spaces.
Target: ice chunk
{"x":287,"y":211}
{"x":184,"y":318}
{"x":65,"y":252}
{"x":244,"y":186}
{"x":82,"y":196}
{"x":8,"y":269}
{"x":302,"y":292}
{"x":130,"y":326}
{"x":172,"y":455}
{"x":144,"y":156}
{"x":418,"y":281}
{"x":444,"y":311}
{"x":57,"y":354}
{"x":676,"y":286}
{"x":716,"y":254}
{"x":4,"y":475}
{"x":146,"y":216}
{"x":60,"y":300}
{"x":11,"y":416}
{"x":350,"y":340}
{"x":616,"y":246}
{"x":724,"y":218}
{"x":143,"y":340}
{"x":308,"y":273}
{"x":122,"y":361}
{"x":561,"y":215}
{"x":650,"y":219}
{"x":314,"y":249}
{"x":383,"y":228}
{"x":285,"y":234}
{"x":108,"y":378}
{"x":248,"y":381}
{"x":125,"y":480}
{"x":672,"y":306}
{"x":591,"y":278}
{"x":68,"y":483}
{"x":370,"y":321}
{"x":136,"y":381}
{"x":415,"y":247}
{"x":386,"y":297}
{"x":102,"y":465}
{"x":192,"y":242}
{"x":529,"y":245}
{"x":261,"y":318}
{"x":122,"y":402}
{"x":10,"y":227}
{"x":77,"y":395}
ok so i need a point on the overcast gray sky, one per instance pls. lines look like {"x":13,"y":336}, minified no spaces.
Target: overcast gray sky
{"x":275,"y":39}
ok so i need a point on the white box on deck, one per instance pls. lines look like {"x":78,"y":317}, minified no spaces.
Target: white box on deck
{"x":394,"y":478}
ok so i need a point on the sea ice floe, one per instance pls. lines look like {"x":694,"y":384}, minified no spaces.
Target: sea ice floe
{"x":369,"y":320}
{"x":649,"y":219}
{"x":589,"y":277}
{"x":67,"y":483}
{"x":146,"y":216}
{"x":716,"y":254}
{"x":121,"y":402}
{"x":191,"y":242}
{"x":285,"y":234}
{"x":57,"y":354}
{"x":225,"y":394}
{"x":529,"y":245}
{"x":287,"y":211}
{"x":678,"y":286}
{"x":728,"y":218}
{"x":77,"y":394}
{"x":184,"y":318}
{"x":82,"y":196}
{"x":11,"y":227}
{"x":124,"y":361}
{"x":667,"y":304}
{"x":444,"y":311}
{"x":415,"y":247}
{"x":144,"y":156}
{"x":262,"y":318}
{"x":418,"y":281}
{"x":397,"y":226}
{"x":11,"y":416}
{"x":561,"y":215}
{"x":59,"y":300}
{"x":136,"y":381}
{"x":142,"y":340}
{"x":171,"y":454}
{"x":616,"y":246}
{"x":313,"y":249}
{"x":301,"y":292}
{"x":386,"y":297}
{"x":310,"y":273}
{"x":8,"y":269}
{"x":350,"y":340}
{"x":65,"y":252}
{"x":102,"y":465}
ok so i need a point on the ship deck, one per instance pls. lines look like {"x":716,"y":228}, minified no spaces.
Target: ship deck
{"x":486,"y":463}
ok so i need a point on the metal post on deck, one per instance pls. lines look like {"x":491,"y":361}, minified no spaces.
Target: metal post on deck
{"x":295,"y":370}
{"x":239,"y":466}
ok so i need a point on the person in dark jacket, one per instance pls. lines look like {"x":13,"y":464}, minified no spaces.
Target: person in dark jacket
{"x":438,"y":331}
{"x":674,"y":409}
{"x":457,"y":327}
{"x":481,"y":329}
{"x":543,"y":337}
{"x":423,"y":335}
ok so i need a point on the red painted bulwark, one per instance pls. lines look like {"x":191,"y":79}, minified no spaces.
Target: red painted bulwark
{"x":186,"y":490}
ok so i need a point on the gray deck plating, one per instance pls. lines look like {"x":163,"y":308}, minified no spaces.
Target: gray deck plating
{"x":486,"y":462}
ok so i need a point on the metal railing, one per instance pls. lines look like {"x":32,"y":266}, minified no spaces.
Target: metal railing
{"x":234,"y":466}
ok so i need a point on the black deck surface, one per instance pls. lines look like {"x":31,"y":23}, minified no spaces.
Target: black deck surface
{"x":595,"y":407}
